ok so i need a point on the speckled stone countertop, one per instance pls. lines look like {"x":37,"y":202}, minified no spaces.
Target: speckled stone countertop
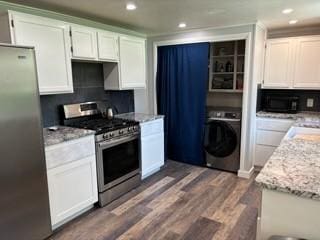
{"x":300,"y":116}
{"x":63,"y":134}
{"x":139,"y":117}
{"x":302,"y":119}
{"x":293,"y":168}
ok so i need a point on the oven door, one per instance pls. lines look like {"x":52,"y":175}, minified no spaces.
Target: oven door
{"x":117,"y":160}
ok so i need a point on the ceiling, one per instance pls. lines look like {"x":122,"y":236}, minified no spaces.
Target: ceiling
{"x":163,"y":16}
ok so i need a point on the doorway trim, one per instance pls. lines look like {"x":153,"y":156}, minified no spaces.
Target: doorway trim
{"x":245,"y":129}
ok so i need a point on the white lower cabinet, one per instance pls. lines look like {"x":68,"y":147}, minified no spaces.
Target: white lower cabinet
{"x":73,"y":185}
{"x":263,"y":153}
{"x":288,"y":215}
{"x":269,"y":134}
{"x":152,"y":147}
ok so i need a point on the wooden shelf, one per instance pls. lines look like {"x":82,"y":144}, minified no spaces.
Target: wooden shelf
{"x":226,"y":90}
{"x":223,"y":56}
{"x":222,"y":73}
{"x":234,"y":53}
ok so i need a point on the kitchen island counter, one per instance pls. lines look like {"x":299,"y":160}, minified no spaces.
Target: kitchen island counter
{"x":293,"y":168}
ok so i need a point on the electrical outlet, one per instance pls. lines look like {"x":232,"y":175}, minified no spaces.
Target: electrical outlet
{"x":310,"y":102}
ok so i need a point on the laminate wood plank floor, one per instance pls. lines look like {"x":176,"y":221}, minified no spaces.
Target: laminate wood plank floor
{"x":181,"y":202}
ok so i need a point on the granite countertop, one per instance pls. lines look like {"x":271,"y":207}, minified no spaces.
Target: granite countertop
{"x":293,"y":168}
{"x":63,"y":134}
{"x":300,"y":116}
{"x":302,"y":119}
{"x":139,"y":117}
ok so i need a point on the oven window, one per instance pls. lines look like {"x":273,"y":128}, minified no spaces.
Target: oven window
{"x":120,"y":160}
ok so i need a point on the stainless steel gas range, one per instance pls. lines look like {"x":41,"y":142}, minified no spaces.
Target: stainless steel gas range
{"x":117,"y":149}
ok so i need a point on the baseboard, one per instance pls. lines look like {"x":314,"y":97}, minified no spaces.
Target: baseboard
{"x":70,"y":218}
{"x":257,"y":168}
{"x":246,"y":174}
{"x":151,"y":170}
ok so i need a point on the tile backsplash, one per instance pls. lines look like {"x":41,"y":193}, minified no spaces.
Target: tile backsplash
{"x":88,"y":86}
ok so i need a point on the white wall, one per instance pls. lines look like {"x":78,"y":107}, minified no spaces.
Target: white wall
{"x":258,"y":54}
{"x":141,"y":103}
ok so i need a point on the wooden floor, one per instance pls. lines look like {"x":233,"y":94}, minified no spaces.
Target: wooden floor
{"x":179,"y":202}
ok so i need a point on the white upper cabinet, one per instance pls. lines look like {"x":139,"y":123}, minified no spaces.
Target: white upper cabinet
{"x":293,"y":63}
{"x":52,"y":47}
{"x":84,"y":42}
{"x":130,"y":72}
{"x":307,"y":67}
{"x":132,"y":63}
{"x":108,"y":46}
{"x":56,"y":43}
{"x":278,"y":63}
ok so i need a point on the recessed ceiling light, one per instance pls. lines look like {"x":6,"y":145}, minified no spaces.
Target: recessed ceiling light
{"x":131,"y":6}
{"x":182,"y":25}
{"x":287,"y":10}
{"x":293,"y":21}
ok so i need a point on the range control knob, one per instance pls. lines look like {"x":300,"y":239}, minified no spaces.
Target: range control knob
{"x":120,"y":132}
{"x":111,"y":134}
{"x":104,"y":136}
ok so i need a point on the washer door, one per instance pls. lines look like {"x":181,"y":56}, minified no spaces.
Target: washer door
{"x":220,"y":139}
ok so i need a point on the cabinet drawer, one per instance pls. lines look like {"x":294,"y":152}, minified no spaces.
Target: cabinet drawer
{"x":66,"y":152}
{"x":281,"y":125}
{"x":270,"y":138}
{"x":151,"y":127}
{"x":262,"y":155}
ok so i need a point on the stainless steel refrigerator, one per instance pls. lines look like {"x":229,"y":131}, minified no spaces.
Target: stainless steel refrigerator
{"x":24,"y":201}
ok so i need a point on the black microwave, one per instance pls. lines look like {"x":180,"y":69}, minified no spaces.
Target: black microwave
{"x":281,"y":104}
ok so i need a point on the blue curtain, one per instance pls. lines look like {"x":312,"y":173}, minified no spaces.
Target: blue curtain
{"x":182,"y":77}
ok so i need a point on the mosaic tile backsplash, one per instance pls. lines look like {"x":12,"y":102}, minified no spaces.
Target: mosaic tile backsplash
{"x":88,"y":86}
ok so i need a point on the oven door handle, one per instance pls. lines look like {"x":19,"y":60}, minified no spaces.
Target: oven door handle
{"x":113,"y":142}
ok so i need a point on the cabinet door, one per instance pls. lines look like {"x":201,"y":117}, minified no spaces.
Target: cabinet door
{"x":307,"y":67}
{"x":72,"y":188}
{"x":108,"y":46}
{"x":278,"y":63}
{"x":52,"y":47}
{"x":274,"y":124}
{"x":262,"y":155}
{"x":132,"y":63}
{"x":84,"y":42}
{"x":152,"y":153}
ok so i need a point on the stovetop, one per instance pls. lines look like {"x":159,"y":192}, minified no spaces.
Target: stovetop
{"x":90,"y":116}
{"x":101,"y":125}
